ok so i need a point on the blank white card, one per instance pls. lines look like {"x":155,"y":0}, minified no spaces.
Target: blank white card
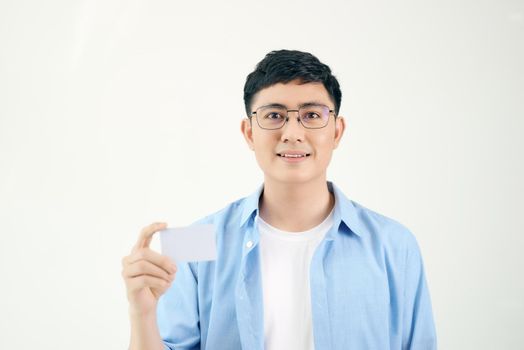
{"x":191,"y":243}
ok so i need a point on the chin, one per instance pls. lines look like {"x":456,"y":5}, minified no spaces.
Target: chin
{"x":292,"y":178}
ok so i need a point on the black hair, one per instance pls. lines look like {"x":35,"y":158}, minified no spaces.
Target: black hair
{"x":283,"y":66}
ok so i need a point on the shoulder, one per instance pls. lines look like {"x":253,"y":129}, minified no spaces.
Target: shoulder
{"x":388,"y":232}
{"x":228,"y":215}
{"x":228,"y":234}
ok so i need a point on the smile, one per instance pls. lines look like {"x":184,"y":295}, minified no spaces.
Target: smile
{"x":285,"y":155}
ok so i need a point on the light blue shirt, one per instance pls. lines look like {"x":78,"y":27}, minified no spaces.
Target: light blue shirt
{"x":368,"y":287}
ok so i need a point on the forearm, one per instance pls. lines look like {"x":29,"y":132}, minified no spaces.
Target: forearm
{"x":144,"y":333}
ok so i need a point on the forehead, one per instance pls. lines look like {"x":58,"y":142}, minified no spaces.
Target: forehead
{"x":292,"y":94}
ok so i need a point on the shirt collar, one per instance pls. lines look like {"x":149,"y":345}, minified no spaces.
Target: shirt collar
{"x":251,"y":205}
{"x":345,"y":210}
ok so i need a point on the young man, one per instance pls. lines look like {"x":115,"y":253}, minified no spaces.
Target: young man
{"x":299,"y":266}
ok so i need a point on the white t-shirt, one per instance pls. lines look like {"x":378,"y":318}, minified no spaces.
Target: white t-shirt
{"x":285,"y":260}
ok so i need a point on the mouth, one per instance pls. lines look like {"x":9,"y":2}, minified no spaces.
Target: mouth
{"x":293,"y":155}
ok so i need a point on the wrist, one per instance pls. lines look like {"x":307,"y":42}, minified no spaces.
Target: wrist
{"x":138,"y":315}
{"x":144,"y":331}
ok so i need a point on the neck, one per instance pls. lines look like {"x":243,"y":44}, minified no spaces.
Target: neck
{"x":295,"y":207}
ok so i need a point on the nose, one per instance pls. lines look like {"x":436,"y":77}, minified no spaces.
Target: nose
{"x":292,"y":131}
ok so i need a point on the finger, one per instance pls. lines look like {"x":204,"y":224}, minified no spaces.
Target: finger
{"x":144,"y":267}
{"x":144,"y":239}
{"x":153,"y":257}
{"x":145,"y":281}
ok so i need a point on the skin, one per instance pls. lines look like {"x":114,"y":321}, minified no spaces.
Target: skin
{"x":147,"y":275}
{"x":295,"y":198}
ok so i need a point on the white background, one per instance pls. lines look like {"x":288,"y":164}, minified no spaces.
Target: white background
{"x":114,"y":114}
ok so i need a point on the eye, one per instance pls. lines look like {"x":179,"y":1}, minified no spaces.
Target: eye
{"x":311,"y":115}
{"x":274,"y":116}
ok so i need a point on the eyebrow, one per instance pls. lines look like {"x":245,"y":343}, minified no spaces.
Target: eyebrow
{"x":305,"y":104}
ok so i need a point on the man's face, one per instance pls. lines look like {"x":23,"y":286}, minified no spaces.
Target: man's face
{"x":272,"y":146}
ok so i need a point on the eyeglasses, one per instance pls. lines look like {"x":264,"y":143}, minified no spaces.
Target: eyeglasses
{"x":311,"y":116}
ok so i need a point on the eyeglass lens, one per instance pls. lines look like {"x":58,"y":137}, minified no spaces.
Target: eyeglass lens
{"x":311,"y":116}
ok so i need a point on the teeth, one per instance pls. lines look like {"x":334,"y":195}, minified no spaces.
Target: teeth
{"x":293,"y":155}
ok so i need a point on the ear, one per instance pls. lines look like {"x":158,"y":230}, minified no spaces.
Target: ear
{"x":340,"y":127}
{"x":247,"y":130}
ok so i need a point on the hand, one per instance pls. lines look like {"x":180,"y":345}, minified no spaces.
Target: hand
{"x":147,"y":274}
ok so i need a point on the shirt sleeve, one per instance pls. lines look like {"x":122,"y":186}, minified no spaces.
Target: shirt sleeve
{"x":418,"y":328}
{"x":177,"y":311}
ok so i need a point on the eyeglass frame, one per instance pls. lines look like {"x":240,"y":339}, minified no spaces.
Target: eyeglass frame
{"x":298,"y":118}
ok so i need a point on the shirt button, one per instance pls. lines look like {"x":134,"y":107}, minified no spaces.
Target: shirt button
{"x":249,"y":244}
